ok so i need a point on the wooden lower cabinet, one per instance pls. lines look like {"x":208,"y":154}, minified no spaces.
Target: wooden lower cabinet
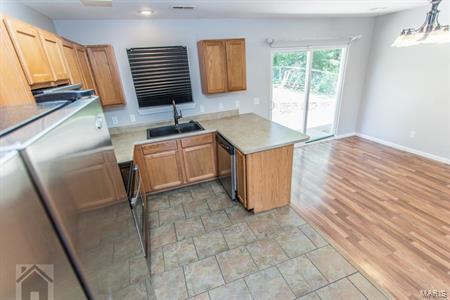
{"x":241,"y":178}
{"x":178,"y":162}
{"x":107,"y":187}
{"x":164,"y":169}
{"x":199,"y":162}
{"x":264,"y":178}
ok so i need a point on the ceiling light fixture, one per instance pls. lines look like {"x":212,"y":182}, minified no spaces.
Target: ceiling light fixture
{"x":146,"y":12}
{"x":431,"y":32}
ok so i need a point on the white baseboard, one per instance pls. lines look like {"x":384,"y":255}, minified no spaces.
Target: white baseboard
{"x":404,"y":148}
{"x":345,"y":135}
{"x":335,"y":137}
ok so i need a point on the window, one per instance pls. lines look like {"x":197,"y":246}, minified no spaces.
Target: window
{"x":160,"y":75}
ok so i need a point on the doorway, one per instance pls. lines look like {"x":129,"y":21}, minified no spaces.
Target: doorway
{"x":306,"y":89}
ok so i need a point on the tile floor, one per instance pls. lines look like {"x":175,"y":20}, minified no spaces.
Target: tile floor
{"x":204,"y":246}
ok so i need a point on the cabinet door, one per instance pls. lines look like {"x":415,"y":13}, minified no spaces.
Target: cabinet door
{"x":106,"y":75}
{"x":54,"y":51}
{"x":30,"y":51}
{"x":164,"y":169}
{"x":72,"y":62}
{"x":241,"y":178}
{"x":213,"y":67}
{"x":88,"y":78}
{"x":236,"y":70}
{"x":14,"y":88}
{"x":199,"y":162}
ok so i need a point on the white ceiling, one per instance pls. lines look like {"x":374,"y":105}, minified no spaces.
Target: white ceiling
{"x":128,"y":9}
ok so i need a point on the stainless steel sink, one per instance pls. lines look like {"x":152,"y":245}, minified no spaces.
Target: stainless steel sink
{"x":173,"y":129}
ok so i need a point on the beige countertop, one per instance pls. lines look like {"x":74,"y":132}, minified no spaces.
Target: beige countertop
{"x":251,"y":133}
{"x":248,"y":132}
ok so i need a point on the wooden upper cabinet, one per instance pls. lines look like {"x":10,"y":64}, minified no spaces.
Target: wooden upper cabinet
{"x":73,"y":65}
{"x":236,"y":65}
{"x":14,"y":88}
{"x":30,"y":51}
{"x":222,"y":65}
{"x":213,"y":66}
{"x":53,"y":48}
{"x":106,"y":75}
{"x":88,"y":77}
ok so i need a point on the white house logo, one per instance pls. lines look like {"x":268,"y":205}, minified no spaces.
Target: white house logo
{"x":34,"y":282}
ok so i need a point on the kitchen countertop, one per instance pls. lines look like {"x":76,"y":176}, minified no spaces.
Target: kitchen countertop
{"x":249,"y":133}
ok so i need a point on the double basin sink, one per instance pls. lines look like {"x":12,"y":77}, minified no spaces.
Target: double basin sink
{"x":173,"y":129}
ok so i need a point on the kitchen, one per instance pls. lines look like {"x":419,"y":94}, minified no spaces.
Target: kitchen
{"x":149,"y":143}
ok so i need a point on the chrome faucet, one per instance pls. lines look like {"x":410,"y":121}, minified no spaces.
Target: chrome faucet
{"x":176,"y":115}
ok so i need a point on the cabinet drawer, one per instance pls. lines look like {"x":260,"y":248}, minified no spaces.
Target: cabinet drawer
{"x":159,"y":147}
{"x":197,"y":140}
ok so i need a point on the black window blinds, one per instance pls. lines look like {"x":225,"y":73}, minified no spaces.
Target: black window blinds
{"x":160,"y":75}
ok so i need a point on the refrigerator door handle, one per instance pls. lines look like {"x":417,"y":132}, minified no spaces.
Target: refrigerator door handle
{"x":99,"y":122}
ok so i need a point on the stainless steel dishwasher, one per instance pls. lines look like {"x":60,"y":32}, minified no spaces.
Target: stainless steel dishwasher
{"x":226,"y":162}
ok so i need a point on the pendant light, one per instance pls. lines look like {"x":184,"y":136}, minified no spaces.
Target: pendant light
{"x":431,"y":32}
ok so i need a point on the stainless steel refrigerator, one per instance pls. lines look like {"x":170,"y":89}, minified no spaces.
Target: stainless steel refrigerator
{"x":63,"y":206}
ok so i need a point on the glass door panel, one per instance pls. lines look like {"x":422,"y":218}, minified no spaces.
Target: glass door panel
{"x":323,"y":93}
{"x":289,"y":69}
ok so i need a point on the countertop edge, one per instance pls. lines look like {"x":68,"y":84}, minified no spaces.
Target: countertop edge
{"x":206,"y":131}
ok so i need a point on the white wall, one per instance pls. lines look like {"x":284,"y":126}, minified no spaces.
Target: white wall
{"x":407,"y":89}
{"x":26,"y":14}
{"x":124,"y":34}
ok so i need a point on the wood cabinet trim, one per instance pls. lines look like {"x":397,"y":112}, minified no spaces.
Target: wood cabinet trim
{"x":138,"y":158}
{"x":241,"y":178}
{"x":197,"y":140}
{"x":159,"y":147}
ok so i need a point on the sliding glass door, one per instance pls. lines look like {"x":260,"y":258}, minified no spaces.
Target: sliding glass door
{"x":305,"y":89}
{"x":288,"y":88}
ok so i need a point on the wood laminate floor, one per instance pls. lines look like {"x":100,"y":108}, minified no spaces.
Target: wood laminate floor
{"x":386,"y":210}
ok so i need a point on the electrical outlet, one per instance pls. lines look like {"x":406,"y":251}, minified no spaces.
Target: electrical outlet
{"x":237,"y":103}
{"x":412,"y":134}
{"x":220,"y":106}
{"x":256,"y":101}
{"x":202,"y":108}
{"x":114,"y":120}
{"x":132,"y":117}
